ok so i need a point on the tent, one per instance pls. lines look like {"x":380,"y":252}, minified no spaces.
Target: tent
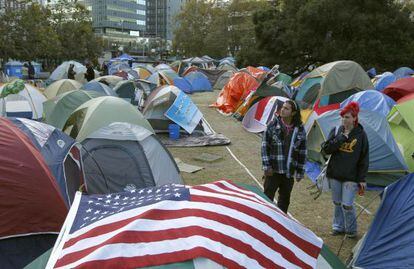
{"x":39,"y":176}
{"x":223,"y":79}
{"x":371,"y":100}
{"x":58,"y":110}
{"x":389,"y":240}
{"x":99,"y":112}
{"x":401,"y":122}
{"x":163,"y":77}
{"x":156,"y":105}
{"x":400,"y":88}
{"x":123,"y":57}
{"x":18,"y":99}
{"x":61,"y":72}
{"x":61,"y":86}
{"x":261,"y":113}
{"x":109,"y":80}
{"x":122,"y":156}
{"x":238,"y":88}
{"x":126,"y":90}
{"x":403,"y":72}
{"x":193,"y":82}
{"x":337,"y":80}
{"x":143,"y":72}
{"x":163,"y":67}
{"x":386,"y":162}
{"x":99,"y":87}
{"x":383,"y":80}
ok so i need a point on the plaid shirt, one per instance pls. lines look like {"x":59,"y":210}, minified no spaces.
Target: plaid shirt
{"x":272,"y":150}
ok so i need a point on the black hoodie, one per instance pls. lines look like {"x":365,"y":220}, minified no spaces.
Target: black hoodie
{"x":350,"y":156}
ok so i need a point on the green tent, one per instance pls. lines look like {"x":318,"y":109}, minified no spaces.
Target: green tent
{"x":99,"y":112}
{"x":61,"y":86}
{"x":58,"y":110}
{"x":401,"y":121}
{"x":338,"y":80}
{"x":326,"y":260}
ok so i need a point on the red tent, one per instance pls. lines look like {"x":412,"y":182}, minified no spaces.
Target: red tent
{"x":30,"y":199}
{"x":400,"y":88}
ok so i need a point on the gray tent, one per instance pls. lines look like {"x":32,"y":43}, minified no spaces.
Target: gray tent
{"x":222,"y":80}
{"x":123,"y":156}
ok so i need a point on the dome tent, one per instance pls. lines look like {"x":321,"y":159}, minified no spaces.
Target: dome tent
{"x":121,"y":156}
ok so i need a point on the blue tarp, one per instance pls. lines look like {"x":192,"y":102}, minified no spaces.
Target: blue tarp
{"x":371,"y":100}
{"x":403,"y":72}
{"x":389,"y":243}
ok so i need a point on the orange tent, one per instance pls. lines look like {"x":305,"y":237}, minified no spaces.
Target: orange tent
{"x":238,"y":88}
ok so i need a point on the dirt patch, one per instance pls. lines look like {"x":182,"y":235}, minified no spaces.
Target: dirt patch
{"x":314,"y":214}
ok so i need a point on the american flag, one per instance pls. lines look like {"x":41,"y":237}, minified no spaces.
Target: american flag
{"x":219,"y":221}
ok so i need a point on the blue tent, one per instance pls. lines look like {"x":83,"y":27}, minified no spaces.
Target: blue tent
{"x":183,"y":84}
{"x":384,"y":80}
{"x":386,"y":163}
{"x":389,"y":242}
{"x":113,"y":68}
{"x":403,"y":72}
{"x":372,"y":72}
{"x":371,"y":100}
{"x":199,"y":82}
{"x":98,"y":87}
{"x":264,"y":68}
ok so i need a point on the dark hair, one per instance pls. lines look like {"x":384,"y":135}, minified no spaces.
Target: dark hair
{"x":297,"y":118}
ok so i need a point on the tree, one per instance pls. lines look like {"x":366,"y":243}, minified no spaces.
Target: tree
{"x":298,"y":33}
{"x":27,"y":34}
{"x":73,"y":25}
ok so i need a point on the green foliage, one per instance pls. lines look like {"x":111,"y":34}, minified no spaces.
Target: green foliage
{"x":62,"y":32}
{"x":298,"y":33}
{"x":202,"y":28}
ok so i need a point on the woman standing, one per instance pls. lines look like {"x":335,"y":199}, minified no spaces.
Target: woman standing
{"x":347,"y":168}
{"x":284,"y":153}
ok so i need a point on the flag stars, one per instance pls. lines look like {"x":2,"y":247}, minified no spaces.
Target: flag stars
{"x":90,"y":202}
{"x":108,"y":196}
{"x":117,"y":197}
{"x":85,"y":218}
{"x":177,"y":194}
{"x":100,"y":198}
{"x":125,"y":198}
{"x":149,"y":191}
{"x":158,"y":191}
{"x":167,"y":189}
{"x":116,"y":203}
{"x":88,"y":210}
{"x":133,"y":191}
{"x":141,"y":191}
{"x":108,"y":201}
{"x":97,"y":212}
{"x":158,"y":199}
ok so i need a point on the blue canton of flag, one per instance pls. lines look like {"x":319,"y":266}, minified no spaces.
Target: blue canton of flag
{"x":93,"y":208}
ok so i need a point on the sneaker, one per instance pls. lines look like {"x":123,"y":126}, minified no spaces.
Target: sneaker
{"x":351,"y":235}
{"x":336,"y":232}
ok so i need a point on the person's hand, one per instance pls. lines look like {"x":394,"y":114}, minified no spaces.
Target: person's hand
{"x":268,"y":172}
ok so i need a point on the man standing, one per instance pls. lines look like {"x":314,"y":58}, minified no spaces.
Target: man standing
{"x":284,"y":154}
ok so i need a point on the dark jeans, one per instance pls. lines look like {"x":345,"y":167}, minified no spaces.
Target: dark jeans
{"x":285,"y":186}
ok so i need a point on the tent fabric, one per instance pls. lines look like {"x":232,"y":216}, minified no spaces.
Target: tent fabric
{"x":383,"y":80}
{"x":128,"y":156}
{"x":403,"y":72}
{"x":27,"y":187}
{"x":261,"y":113}
{"x":223,"y":80}
{"x":199,"y":82}
{"x":400,"y":88}
{"x":371,"y":100}
{"x":183,"y":84}
{"x":99,"y":112}
{"x":401,"y":122}
{"x":389,"y":240}
{"x":61,"y":86}
{"x":126,"y":90}
{"x":59,"y":109}
{"x":110,"y":80}
{"x":29,"y":96}
{"x":61,"y":72}
{"x":99,"y":87}
{"x":384,"y":155}
{"x":55,"y":147}
{"x":237,"y":87}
